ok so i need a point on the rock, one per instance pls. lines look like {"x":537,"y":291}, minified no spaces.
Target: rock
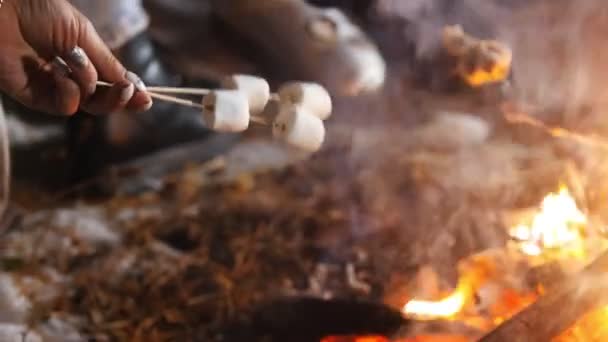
{"x":60,"y":330}
{"x":454,"y":131}
{"x":88,"y":224}
{"x":14,"y":306}
{"x":17,"y":333}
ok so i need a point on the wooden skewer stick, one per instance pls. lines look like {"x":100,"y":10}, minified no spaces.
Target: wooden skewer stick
{"x":103,"y":84}
{"x":178,"y":90}
{"x":162,"y":97}
{"x":191,"y":91}
{"x":184,"y":91}
{"x":177,"y":100}
{"x":168,"y":90}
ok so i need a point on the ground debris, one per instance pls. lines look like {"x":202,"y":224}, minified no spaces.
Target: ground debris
{"x":187,"y":261}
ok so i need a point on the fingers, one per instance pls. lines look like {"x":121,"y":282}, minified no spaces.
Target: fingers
{"x":140,"y":102}
{"x":48,"y":88}
{"x":97,"y":56}
{"x":111,"y":70}
{"x":129,"y":94}
{"x":109,"y":100}
{"x":66,"y":98}
{"x":108,"y":67}
{"x":82,"y":71}
{"x":75,"y":41}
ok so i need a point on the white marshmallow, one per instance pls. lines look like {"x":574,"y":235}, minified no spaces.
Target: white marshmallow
{"x":299,"y":128}
{"x":255,"y":88}
{"x":226,"y":111}
{"x":310,"y":96}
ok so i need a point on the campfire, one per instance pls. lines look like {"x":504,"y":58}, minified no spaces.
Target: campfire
{"x":464,"y":202}
{"x":555,"y":235}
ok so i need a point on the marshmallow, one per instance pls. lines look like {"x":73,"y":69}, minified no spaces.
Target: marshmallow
{"x":226,"y":111}
{"x":255,"y":88}
{"x":310,"y":96}
{"x":299,"y":128}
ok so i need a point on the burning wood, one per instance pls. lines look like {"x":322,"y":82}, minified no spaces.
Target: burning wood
{"x":591,"y":327}
{"x":559,"y":230}
{"x":572,"y":299}
{"x":478,"y":62}
{"x":370,"y":338}
{"x":483,"y":298}
{"x":515,"y":116}
{"x":421,"y":338}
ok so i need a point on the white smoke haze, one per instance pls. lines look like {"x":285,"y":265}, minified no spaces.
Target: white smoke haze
{"x":558,"y":45}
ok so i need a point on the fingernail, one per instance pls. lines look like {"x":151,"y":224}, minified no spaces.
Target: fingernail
{"x":139,"y":84}
{"x":127,"y":92}
{"x":79,"y":57}
{"x":147,"y":106}
{"x":144,"y":107}
{"x":60,"y":68}
{"x":92,"y":89}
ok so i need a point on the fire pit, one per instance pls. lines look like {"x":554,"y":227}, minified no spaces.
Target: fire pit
{"x":547,"y":254}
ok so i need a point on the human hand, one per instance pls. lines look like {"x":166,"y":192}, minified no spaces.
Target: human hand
{"x":34,"y":33}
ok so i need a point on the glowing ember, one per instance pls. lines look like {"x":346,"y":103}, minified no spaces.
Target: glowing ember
{"x":446,"y":308}
{"x":558,"y":225}
{"x":421,"y":338}
{"x":487,"y":294}
{"x":591,"y":327}
{"x":371,"y":338}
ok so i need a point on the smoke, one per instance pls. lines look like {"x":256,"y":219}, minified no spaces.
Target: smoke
{"x":557,"y":44}
{"x":557,"y":47}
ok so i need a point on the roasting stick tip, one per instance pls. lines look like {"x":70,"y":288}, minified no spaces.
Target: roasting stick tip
{"x":176,"y":100}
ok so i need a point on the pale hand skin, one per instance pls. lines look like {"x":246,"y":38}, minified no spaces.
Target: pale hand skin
{"x":32,"y":34}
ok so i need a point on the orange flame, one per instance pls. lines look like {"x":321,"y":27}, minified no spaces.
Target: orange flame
{"x":447,"y":308}
{"x":420,"y":338}
{"x":558,"y":225}
{"x":590,"y":327}
{"x":370,"y":338}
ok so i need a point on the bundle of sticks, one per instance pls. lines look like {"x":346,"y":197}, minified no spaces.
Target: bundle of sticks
{"x":295,"y":113}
